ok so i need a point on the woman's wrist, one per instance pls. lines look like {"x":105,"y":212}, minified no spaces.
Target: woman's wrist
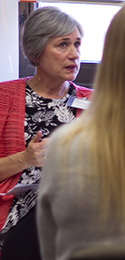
{"x":12,"y":165}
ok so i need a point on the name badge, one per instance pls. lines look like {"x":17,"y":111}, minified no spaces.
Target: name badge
{"x":81,"y":103}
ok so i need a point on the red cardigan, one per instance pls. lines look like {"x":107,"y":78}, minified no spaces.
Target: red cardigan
{"x":12,"y":116}
{"x":12,"y":113}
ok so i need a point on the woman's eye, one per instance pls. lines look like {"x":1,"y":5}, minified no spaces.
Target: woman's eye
{"x":77,"y":44}
{"x":62,"y":44}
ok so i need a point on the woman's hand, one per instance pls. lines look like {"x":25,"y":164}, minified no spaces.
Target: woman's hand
{"x":36,"y":150}
{"x":32,"y":156}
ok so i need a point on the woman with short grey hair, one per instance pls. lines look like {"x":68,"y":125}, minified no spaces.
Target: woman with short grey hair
{"x":39,"y":104}
{"x":42,"y":25}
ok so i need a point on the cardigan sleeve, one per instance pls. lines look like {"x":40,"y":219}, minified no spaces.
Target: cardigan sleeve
{"x":12,"y":113}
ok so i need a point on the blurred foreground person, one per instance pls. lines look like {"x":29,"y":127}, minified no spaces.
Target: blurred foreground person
{"x":81,"y":203}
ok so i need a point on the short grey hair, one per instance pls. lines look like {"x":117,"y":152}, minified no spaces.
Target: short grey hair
{"x":43,"y":23}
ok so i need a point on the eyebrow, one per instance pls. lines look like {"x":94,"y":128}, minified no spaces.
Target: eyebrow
{"x":68,"y":39}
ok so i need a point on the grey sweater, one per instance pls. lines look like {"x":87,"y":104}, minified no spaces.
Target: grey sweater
{"x":68,"y":216}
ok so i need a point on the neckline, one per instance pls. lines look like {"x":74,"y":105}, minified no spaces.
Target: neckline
{"x":71,"y":87}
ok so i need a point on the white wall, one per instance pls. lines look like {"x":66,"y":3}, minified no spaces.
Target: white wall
{"x":9,"y":43}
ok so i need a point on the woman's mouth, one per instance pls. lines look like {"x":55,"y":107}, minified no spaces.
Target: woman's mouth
{"x":71,"y":68}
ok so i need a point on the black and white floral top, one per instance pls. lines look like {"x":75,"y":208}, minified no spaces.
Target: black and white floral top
{"x":40,"y":114}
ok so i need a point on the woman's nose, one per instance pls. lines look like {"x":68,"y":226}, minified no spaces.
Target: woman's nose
{"x":74,"y":53}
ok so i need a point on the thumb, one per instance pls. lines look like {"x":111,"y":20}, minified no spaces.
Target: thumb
{"x":37,"y":137}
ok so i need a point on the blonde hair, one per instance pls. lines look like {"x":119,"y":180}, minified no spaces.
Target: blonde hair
{"x":103,"y":124}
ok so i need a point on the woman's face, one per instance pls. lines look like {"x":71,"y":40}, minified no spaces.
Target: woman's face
{"x":60,"y":59}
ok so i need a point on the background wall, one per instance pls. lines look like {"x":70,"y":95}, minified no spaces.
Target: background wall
{"x":25,"y":68}
{"x":9,"y":40}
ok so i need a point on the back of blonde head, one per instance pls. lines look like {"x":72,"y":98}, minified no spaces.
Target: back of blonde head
{"x":103,"y":124}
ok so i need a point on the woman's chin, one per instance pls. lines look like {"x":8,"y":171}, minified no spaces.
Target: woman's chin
{"x":71,"y":77}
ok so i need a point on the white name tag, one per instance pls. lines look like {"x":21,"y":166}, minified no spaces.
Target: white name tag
{"x":81,"y":103}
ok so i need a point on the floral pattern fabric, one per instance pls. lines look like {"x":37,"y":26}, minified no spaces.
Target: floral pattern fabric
{"x":45,"y":115}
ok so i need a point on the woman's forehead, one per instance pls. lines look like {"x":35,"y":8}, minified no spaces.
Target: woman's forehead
{"x":75,"y":34}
